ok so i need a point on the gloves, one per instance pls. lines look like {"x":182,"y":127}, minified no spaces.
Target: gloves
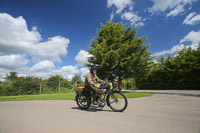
{"x":97,"y":85}
{"x":111,"y":86}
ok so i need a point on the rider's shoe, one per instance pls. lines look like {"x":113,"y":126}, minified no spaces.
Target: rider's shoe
{"x":95,"y":103}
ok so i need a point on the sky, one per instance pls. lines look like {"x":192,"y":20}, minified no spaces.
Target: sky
{"x":43,"y":38}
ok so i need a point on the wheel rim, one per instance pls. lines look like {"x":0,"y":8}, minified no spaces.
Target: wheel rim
{"x":117,"y":101}
{"x":83,"y":101}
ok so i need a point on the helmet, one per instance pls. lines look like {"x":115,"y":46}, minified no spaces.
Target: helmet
{"x":92,"y":68}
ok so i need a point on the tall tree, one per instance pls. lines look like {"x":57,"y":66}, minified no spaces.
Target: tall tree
{"x":118,"y":53}
{"x":11,"y":76}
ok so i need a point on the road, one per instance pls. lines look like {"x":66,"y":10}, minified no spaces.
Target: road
{"x":159,"y":113}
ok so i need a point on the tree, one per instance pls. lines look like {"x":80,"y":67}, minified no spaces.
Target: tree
{"x":178,"y":72}
{"x":53,"y":82}
{"x":76,"y":78}
{"x":118,"y":53}
{"x":76,"y":81}
{"x":11,"y":76}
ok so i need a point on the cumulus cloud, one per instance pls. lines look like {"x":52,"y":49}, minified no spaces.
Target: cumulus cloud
{"x":19,"y":45}
{"x":84,"y":72}
{"x":192,"y":19}
{"x":43,"y":66}
{"x":81,"y":57}
{"x":192,"y":37}
{"x":125,"y":8}
{"x":13,"y":61}
{"x":173,"y":50}
{"x":16,"y":38}
{"x":120,"y":4}
{"x":175,"y":7}
{"x":176,"y":11}
{"x":133,"y":18}
{"x":68,"y":72}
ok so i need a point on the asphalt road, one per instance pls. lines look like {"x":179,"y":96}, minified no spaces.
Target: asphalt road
{"x":156,"y":114}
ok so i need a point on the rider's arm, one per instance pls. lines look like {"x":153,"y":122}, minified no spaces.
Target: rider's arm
{"x":90,"y":80}
{"x":98,"y":79}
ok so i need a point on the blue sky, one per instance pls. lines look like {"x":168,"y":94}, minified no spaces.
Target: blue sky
{"x":43,"y":38}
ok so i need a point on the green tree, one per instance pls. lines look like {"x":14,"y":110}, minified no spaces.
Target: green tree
{"x":53,"y":82}
{"x":76,"y":78}
{"x":118,"y":53}
{"x":76,"y":81}
{"x":178,"y":72}
{"x":11,"y":76}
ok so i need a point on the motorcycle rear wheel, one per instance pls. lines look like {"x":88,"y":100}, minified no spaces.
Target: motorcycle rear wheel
{"x":83,"y":101}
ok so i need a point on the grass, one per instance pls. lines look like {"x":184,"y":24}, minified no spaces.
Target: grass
{"x":61,"y":96}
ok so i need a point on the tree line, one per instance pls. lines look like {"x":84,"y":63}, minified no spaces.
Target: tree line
{"x":14,"y":85}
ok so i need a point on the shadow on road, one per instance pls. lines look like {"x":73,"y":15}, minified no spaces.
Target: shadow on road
{"x":92,"y":108}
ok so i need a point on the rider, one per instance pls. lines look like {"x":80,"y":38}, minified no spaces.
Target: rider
{"x":90,"y":84}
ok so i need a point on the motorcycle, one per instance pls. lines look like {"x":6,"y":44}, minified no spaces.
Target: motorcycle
{"x":113,"y":97}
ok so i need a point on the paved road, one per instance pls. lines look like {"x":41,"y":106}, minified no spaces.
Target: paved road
{"x":157,"y":114}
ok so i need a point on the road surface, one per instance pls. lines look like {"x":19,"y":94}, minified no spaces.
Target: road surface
{"x":159,"y":113}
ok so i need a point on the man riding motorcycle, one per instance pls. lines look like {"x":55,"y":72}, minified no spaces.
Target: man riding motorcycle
{"x":91,"y":84}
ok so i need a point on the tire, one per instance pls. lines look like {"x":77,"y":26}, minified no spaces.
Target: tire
{"x":117,"y":101}
{"x":83,"y":101}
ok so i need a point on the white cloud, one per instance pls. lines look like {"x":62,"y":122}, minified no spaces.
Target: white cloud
{"x":112,"y":16}
{"x":191,"y":19}
{"x":68,"y":72}
{"x":175,"y":7}
{"x":15,"y":38}
{"x":120,"y":4}
{"x":13,"y":61}
{"x":125,"y":8}
{"x":18,"y":43}
{"x":176,"y":11}
{"x":81,"y":57}
{"x":44,"y":66}
{"x":133,"y":18}
{"x":84,"y":72}
{"x":193,"y":37}
{"x":173,"y":50}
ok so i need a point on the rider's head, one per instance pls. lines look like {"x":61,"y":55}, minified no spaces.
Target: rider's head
{"x":93,"y":70}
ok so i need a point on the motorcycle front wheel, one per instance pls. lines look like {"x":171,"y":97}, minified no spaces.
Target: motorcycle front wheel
{"x":117,"y":101}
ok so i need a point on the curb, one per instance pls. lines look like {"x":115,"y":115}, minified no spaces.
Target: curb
{"x":168,"y":93}
{"x":181,"y":94}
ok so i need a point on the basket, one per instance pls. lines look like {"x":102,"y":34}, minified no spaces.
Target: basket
{"x":79,"y":89}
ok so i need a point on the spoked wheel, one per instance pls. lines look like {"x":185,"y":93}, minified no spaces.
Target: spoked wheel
{"x":117,"y":101}
{"x":83,"y":101}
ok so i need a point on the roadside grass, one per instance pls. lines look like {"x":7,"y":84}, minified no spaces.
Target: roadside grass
{"x":61,"y":96}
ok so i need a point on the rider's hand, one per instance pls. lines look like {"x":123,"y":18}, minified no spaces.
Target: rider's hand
{"x":97,"y":85}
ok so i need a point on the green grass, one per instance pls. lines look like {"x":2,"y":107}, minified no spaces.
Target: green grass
{"x":61,"y":96}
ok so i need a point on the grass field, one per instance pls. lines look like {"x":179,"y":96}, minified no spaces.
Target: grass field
{"x":61,"y":96}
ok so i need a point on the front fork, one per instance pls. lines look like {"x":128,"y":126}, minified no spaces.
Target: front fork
{"x":109,"y":94}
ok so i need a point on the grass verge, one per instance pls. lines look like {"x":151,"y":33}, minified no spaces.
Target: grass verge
{"x":61,"y":96}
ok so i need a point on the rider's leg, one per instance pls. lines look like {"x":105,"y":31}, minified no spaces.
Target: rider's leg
{"x":94,"y":91}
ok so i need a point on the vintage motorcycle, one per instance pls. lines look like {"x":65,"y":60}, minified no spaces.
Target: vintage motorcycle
{"x":113,"y":97}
